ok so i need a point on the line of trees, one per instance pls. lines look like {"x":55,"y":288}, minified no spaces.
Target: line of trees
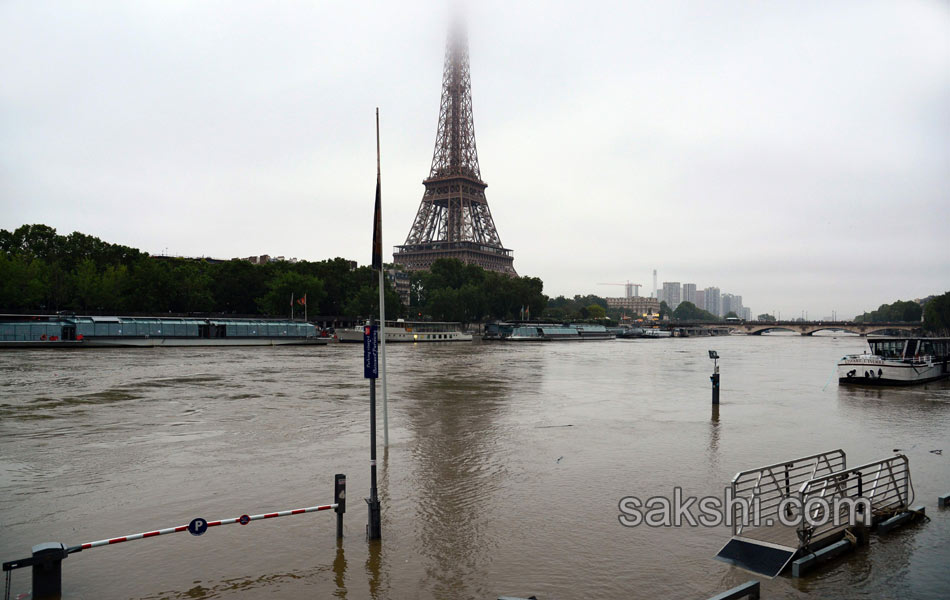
{"x":43,"y":271}
{"x":902,"y":310}
{"x":935,"y":311}
{"x":455,"y":291}
{"x":578,"y":308}
{"x":937,"y":314}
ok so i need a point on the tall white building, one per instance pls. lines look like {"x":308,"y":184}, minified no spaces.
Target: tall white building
{"x":713,"y":302}
{"x":700,"y":300}
{"x":689,"y":292}
{"x":731,"y":303}
{"x":671,"y":294}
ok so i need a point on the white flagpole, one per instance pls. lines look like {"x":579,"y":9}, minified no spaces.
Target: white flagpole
{"x":382,"y":300}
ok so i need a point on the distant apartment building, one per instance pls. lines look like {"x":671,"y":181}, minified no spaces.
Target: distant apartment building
{"x":636,"y":305}
{"x":257,"y":260}
{"x":731,"y":303}
{"x":726,"y":305}
{"x":689,"y":292}
{"x":700,"y":300}
{"x":713,"y":302}
{"x":400,"y":281}
{"x":746,"y":313}
{"x":671,"y":294}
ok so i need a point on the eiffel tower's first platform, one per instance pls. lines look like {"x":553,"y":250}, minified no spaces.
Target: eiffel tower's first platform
{"x":453,"y":220}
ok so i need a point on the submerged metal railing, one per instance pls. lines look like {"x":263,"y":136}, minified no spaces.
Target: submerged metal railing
{"x":766,"y":487}
{"x":882,"y":487}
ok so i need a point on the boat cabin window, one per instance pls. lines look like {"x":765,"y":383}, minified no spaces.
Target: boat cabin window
{"x":888,"y":348}
{"x":911,"y":348}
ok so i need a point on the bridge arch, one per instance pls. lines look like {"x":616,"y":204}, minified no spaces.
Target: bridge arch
{"x":843,"y":329}
{"x":761,"y":330}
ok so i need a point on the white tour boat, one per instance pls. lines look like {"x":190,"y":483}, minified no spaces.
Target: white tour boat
{"x":897,"y":361}
{"x":411,"y":331}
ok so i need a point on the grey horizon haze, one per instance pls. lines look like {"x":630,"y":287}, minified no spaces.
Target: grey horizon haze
{"x":795,"y":153}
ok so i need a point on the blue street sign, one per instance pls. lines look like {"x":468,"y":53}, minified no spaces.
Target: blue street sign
{"x":370,"y":352}
{"x":197,"y":526}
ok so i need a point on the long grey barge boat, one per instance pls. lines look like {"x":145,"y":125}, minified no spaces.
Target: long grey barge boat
{"x":58,"y":331}
{"x":545,"y":332}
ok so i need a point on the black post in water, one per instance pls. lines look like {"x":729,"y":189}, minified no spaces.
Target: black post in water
{"x":373,"y":526}
{"x":371,"y":372}
{"x":715,"y":376}
{"x":339,"y":498}
{"x":48,"y":570}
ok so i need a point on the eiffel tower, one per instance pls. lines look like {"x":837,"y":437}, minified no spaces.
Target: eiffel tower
{"x":453,"y":220}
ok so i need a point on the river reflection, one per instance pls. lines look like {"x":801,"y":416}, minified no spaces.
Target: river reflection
{"x":453,"y":411}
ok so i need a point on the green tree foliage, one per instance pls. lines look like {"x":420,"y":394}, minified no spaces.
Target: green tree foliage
{"x":362,"y":291}
{"x":578,"y":308}
{"x":23,"y":282}
{"x":731,"y":315}
{"x":596,"y":311}
{"x":43,"y":271}
{"x":687,"y":311}
{"x":902,"y":310}
{"x":455,"y":291}
{"x":937,"y":314}
{"x":765,"y":317}
{"x":286,"y":289}
{"x":665,"y":310}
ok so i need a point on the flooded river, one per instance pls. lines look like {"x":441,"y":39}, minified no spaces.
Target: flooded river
{"x":503,"y":476}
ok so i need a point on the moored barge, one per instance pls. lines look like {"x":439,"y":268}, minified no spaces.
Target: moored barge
{"x":545,"y":332}
{"x":412,"y":332}
{"x":59,"y":331}
{"x":897,"y":361}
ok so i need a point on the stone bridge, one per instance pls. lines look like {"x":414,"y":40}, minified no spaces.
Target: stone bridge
{"x":808,"y":327}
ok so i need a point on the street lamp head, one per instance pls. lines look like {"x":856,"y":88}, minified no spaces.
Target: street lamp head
{"x":713,"y":355}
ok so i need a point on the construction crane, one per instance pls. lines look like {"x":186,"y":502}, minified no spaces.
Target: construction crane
{"x":631,"y":289}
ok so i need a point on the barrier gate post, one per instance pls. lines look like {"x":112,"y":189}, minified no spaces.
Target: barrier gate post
{"x":339,"y":498}
{"x":48,"y":570}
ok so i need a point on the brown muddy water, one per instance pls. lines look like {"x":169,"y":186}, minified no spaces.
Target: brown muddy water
{"x":503,"y":476}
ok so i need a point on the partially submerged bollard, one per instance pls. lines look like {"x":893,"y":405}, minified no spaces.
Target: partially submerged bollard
{"x":48,"y":570}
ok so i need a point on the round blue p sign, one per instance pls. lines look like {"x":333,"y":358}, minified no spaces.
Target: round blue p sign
{"x":197,"y":526}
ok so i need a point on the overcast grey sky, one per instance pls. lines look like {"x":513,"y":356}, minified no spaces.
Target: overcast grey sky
{"x":796,"y":153}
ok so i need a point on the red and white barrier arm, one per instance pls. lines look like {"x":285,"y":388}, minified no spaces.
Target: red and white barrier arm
{"x":244,"y":520}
